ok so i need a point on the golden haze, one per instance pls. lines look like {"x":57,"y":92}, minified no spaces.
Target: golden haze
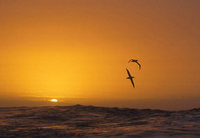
{"x":80,"y":49}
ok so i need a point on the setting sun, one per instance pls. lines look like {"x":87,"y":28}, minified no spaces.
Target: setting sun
{"x":54,"y":100}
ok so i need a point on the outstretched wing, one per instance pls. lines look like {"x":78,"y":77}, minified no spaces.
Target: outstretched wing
{"x":132,"y":82}
{"x":128,"y":73}
{"x":130,"y":60}
{"x":139,"y":65}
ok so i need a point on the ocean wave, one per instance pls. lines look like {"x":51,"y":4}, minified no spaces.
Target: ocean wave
{"x":91,"y":121}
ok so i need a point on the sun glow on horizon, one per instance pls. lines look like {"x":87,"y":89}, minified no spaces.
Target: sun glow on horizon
{"x":53,"y":100}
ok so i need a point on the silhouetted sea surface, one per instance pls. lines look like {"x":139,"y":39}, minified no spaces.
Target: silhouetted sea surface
{"x":91,"y":121}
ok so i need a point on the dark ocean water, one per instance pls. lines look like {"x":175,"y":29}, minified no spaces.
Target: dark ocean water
{"x":91,"y":121}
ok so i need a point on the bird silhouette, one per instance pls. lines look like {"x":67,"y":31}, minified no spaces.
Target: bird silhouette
{"x":136,"y":61}
{"x":130,"y":77}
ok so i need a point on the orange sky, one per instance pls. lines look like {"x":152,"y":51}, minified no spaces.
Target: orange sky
{"x":80,"y":49}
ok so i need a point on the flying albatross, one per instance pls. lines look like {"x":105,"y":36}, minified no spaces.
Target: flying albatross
{"x":136,"y":61}
{"x":130,"y":77}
